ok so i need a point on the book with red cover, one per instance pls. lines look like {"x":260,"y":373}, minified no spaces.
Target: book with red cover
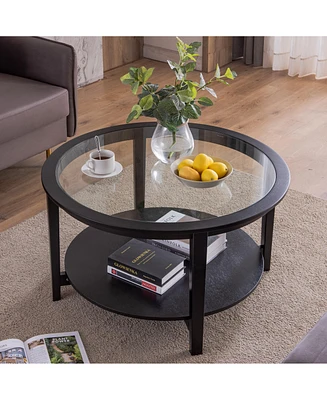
{"x":145,"y":284}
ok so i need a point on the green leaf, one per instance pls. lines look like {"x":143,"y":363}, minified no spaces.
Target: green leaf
{"x":202,"y":81}
{"x":211,"y":91}
{"x":217,"y":73}
{"x":174,"y":119}
{"x":135,"y":113}
{"x":186,"y":95}
{"x":222,"y":81}
{"x":197,"y":109}
{"x":138,"y":74}
{"x":138,"y":110}
{"x":146,"y":102}
{"x":184,"y":119}
{"x":179,"y":74}
{"x":183,"y":86}
{"x":171,"y":127}
{"x":172,"y":64}
{"x":190,"y":112}
{"x":147,"y":74}
{"x":151,"y":87}
{"x":135,"y":86}
{"x":205,"y":101}
{"x":131,"y":116}
{"x":133,"y":72}
{"x":143,"y":94}
{"x":194,"y":46}
{"x":141,"y":74}
{"x":167,"y":107}
{"x":127,"y":79}
{"x":165,"y":110}
{"x":148,"y":113}
{"x":166,"y":91}
{"x":155,"y":99}
{"x":143,"y":70}
{"x":177,"y":102}
{"x":190,"y":66}
{"x":180,"y":47}
{"x":195,"y":84}
{"x":191,"y":56}
{"x":192,"y":88}
{"x":157,"y":115}
{"x":229,"y":74}
{"x":181,"y":44}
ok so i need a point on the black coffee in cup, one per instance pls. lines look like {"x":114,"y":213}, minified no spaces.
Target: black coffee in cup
{"x":102,"y":158}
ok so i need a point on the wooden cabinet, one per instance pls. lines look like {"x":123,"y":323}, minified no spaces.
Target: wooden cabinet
{"x":216,"y":49}
{"x":121,"y":50}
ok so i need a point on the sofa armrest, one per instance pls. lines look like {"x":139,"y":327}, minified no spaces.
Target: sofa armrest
{"x":42,"y":60}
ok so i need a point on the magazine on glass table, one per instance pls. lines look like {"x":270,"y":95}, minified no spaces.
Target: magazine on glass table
{"x":52,"y":348}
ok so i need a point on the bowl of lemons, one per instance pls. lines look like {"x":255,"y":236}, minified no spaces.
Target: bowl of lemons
{"x":201,"y":170}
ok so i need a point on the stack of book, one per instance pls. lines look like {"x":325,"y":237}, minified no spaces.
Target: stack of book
{"x":147,"y":266}
{"x":216,"y":243}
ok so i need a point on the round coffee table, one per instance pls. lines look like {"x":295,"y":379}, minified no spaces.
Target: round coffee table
{"x":127,"y":205}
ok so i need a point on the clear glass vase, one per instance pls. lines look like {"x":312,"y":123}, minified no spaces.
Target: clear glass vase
{"x":167,"y":148}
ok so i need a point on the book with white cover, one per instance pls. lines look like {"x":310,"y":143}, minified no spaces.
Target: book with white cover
{"x":216,"y":243}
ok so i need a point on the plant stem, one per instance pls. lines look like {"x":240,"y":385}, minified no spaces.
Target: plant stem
{"x":207,"y":84}
{"x":174,"y":141}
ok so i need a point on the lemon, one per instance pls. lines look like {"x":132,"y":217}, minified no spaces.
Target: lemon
{"x":211,"y":160}
{"x":220,"y":168}
{"x":201,"y":162}
{"x":209,"y":175}
{"x":187,"y":162}
{"x":189,"y":173}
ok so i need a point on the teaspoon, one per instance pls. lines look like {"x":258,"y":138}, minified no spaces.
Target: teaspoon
{"x":97,"y":142}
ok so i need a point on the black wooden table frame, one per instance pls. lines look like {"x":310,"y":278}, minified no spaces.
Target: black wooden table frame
{"x":197,"y":232}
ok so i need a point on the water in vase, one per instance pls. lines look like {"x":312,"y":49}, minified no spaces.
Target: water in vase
{"x":165,"y":152}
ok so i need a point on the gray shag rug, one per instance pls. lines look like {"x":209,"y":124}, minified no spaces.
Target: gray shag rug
{"x":264,"y":328}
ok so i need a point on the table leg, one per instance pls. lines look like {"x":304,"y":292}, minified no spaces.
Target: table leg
{"x":139,"y":169}
{"x":198,"y":254}
{"x":266,"y":237}
{"x":53,"y":221}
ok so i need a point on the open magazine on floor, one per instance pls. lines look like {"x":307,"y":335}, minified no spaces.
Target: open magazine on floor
{"x":53,"y":348}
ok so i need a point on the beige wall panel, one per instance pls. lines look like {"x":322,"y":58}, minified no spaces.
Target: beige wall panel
{"x":163,"y":48}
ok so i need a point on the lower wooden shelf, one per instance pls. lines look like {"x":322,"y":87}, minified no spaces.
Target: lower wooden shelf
{"x":230,"y":278}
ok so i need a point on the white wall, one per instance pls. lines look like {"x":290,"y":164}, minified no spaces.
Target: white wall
{"x":163,"y":48}
{"x":89,"y":56}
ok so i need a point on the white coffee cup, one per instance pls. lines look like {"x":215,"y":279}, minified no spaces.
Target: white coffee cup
{"x":104,"y":166}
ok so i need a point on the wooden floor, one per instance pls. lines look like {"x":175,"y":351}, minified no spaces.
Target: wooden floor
{"x":288,"y":114}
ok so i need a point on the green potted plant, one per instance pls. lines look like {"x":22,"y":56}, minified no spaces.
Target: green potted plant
{"x":174,"y":104}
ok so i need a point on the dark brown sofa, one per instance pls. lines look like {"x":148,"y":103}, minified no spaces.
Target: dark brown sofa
{"x":38,"y":83}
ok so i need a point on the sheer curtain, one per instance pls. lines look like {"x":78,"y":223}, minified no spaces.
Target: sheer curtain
{"x":300,"y":55}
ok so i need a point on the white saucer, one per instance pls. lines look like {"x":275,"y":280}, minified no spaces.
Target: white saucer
{"x":86,"y":170}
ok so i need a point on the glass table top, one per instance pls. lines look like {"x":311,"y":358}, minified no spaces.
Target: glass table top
{"x":253,"y":177}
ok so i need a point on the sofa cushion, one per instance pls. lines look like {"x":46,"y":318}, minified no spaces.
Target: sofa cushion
{"x":313,"y":347}
{"x":27,"y":105}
